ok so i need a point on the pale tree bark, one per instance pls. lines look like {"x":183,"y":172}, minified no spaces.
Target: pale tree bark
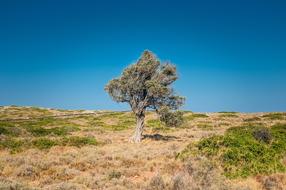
{"x":137,"y":137}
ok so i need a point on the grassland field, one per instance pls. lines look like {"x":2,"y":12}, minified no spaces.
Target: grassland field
{"x":78,"y":149}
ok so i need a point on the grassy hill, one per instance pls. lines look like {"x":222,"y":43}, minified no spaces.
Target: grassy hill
{"x":63,"y":149}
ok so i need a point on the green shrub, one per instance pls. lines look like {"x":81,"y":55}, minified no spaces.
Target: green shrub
{"x":15,"y":145}
{"x":57,"y":131}
{"x":157,"y":125}
{"x":44,"y":143}
{"x":171,"y":118}
{"x":121,"y":120}
{"x":244,"y":151}
{"x":78,"y":141}
{"x":114,"y":174}
{"x":9,"y":129}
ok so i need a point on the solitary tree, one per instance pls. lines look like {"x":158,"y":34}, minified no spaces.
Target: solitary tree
{"x":145,"y":85}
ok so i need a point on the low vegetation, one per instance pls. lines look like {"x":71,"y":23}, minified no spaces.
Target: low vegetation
{"x":90,"y":150}
{"x":244,"y":151}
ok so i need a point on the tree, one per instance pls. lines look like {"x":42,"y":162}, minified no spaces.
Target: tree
{"x":145,"y":85}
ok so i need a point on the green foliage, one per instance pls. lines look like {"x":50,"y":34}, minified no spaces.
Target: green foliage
{"x":120,"y":121}
{"x":44,"y":143}
{"x":9,"y":129}
{"x":171,"y":118}
{"x":39,"y":127}
{"x":57,"y":131}
{"x":15,"y":145}
{"x":78,"y":141}
{"x":146,"y":84}
{"x":244,"y":151}
{"x":157,"y":125}
{"x":114,"y":174}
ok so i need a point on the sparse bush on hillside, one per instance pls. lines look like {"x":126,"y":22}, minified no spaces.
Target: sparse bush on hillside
{"x":171,"y":118}
{"x":114,"y":174}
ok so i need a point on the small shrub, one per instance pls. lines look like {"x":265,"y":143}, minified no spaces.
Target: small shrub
{"x":180,"y":183}
{"x":44,"y":143}
{"x":12,"y":144}
{"x":156,"y":183}
{"x":114,"y":174}
{"x":170,"y":118}
{"x":9,"y":129}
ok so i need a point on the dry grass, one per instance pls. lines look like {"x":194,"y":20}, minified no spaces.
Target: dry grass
{"x":114,"y":163}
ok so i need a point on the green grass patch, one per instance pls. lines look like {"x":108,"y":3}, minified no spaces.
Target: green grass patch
{"x":13,"y":144}
{"x":243,"y":151}
{"x":44,"y":143}
{"x":78,"y":141}
{"x":9,"y":129}
{"x":44,"y":127}
{"x":115,"y":121}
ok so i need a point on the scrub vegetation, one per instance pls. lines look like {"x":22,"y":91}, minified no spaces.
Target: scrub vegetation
{"x":63,"y":149}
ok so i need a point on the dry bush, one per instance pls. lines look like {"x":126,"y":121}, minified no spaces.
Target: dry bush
{"x":156,"y":183}
{"x":273,"y":182}
{"x":6,"y":184}
{"x":27,"y":171}
{"x":181,"y":181}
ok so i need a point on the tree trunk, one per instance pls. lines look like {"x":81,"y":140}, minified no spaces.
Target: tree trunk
{"x":136,"y":138}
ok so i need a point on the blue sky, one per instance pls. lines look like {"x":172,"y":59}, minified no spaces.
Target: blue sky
{"x":231,"y":55}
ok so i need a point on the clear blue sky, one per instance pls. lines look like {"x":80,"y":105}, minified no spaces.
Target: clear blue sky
{"x":230,"y":54}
